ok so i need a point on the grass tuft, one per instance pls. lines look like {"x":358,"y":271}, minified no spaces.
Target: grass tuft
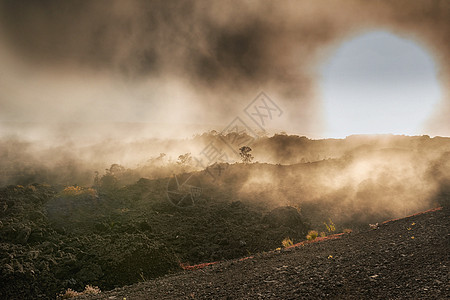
{"x":287,"y":242}
{"x":330,"y":226}
{"x":312,"y":235}
{"x":88,"y":290}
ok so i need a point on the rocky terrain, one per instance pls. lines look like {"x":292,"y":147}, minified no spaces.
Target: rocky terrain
{"x":407,"y":258}
{"x":52,"y":239}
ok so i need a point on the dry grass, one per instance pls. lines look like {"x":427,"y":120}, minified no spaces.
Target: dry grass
{"x":330,"y":226}
{"x":312,"y":235}
{"x":88,"y":290}
{"x":77,"y":191}
{"x":287,"y":242}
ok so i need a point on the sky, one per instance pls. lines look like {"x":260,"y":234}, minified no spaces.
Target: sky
{"x":379,"y":83}
{"x":179,"y":64}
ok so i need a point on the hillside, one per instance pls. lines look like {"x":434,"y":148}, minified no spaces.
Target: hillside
{"x":75,"y":160}
{"x":124,"y":229}
{"x":402,"y":259}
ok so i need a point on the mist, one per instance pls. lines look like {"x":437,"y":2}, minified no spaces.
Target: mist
{"x":178,"y":64}
{"x":363,"y":188}
{"x":85,"y":85}
{"x":359,"y":179}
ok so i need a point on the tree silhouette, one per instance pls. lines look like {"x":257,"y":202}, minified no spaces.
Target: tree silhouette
{"x":184,"y":159}
{"x":245,"y":154}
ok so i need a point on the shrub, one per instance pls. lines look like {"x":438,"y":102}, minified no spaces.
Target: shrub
{"x":109,"y":182}
{"x":72,"y":190}
{"x":88,"y":290}
{"x":75,"y":190}
{"x":91,"y":290}
{"x":287,"y":242}
{"x":323,"y":234}
{"x":312,"y":235}
{"x":69,"y":293}
{"x":330,"y":227}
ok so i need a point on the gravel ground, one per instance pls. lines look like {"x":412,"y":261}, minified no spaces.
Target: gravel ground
{"x":402,"y":259}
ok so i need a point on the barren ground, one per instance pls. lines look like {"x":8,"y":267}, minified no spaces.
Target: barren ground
{"x":403,"y":259}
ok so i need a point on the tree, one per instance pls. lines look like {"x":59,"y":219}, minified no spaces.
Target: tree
{"x":184,"y":159}
{"x":109,"y":182}
{"x":116,"y":169}
{"x":245,"y":154}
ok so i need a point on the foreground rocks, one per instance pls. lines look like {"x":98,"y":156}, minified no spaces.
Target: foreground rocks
{"x":402,"y":259}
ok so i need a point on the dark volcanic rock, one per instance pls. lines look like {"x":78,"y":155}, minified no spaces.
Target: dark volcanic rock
{"x":403,"y":259}
{"x":23,"y":234}
{"x":286,"y":216}
{"x":90,"y":273}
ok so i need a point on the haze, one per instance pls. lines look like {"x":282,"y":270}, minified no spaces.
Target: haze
{"x":183,"y":66}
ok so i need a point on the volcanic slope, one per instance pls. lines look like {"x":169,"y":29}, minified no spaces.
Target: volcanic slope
{"x":406,"y":258}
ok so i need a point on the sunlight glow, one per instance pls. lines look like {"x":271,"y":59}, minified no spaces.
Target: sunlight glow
{"x":379,"y":83}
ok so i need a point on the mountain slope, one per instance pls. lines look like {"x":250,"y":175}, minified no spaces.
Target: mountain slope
{"x":402,"y":259}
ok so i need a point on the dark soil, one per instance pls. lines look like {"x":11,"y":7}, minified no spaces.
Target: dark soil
{"x":402,"y":259}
